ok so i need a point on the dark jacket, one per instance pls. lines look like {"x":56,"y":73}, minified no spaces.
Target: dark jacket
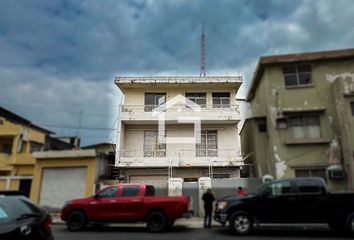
{"x":208,"y":199}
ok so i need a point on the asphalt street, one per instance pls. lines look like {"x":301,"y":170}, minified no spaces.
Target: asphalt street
{"x":185,"y":233}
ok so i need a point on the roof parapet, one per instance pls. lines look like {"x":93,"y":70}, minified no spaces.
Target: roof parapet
{"x":178,"y":80}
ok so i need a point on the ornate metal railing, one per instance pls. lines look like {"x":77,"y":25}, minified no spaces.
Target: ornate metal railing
{"x":172,"y":153}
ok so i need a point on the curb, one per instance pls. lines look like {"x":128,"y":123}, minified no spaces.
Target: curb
{"x":199,"y":222}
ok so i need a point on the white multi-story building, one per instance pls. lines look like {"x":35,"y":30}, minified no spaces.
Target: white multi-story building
{"x":149,"y":152}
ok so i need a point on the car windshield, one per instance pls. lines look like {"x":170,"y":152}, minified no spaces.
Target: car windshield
{"x":12,"y":208}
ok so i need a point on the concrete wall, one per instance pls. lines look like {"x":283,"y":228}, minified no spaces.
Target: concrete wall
{"x":343,"y":90}
{"x":254,"y":145}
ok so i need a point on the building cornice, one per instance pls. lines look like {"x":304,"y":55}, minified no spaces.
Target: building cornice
{"x":179,"y":80}
{"x":273,"y":60}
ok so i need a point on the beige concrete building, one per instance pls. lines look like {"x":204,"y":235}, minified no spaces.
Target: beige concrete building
{"x":177,"y":106}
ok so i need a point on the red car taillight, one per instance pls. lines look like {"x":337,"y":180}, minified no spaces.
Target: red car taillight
{"x":47,"y":224}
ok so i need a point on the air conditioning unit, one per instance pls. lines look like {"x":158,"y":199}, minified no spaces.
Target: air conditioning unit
{"x":336,"y":172}
{"x":281,"y":123}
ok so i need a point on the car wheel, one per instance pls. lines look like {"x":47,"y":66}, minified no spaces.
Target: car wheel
{"x":76,"y":221}
{"x":350,"y":224}
{"x":241,"y":223}
{"x":156,"y":222}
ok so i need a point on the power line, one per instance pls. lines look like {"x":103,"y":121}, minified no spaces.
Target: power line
{"x":60,"y":110}
{"x":55,"y":103}
{"x":75,"y":127}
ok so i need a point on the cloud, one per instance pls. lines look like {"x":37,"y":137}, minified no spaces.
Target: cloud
{"x":63,"y":106}
{"x":70,"y":51}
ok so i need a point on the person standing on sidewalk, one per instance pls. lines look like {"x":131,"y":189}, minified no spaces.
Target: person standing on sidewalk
{"x":208,"y":199}
{"x":240,"y":191}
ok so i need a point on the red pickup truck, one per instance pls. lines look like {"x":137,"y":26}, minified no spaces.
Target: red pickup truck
{"x":126,"y":203}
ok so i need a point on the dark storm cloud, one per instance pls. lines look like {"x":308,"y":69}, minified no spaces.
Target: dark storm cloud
{"x":69,"y":51}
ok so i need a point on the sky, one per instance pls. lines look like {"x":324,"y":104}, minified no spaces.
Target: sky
{"x":58,"y":59}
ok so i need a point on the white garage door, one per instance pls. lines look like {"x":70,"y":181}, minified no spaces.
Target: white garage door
{"x":62,"y":184}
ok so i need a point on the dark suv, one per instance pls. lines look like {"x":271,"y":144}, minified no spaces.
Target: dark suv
{"x":298,"y":200}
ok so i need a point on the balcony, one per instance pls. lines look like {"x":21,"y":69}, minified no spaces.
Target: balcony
{"x":217,"y":113}
{"x":6,"y":158}
{"x":180,"y":158}
{"x":24,"y":159}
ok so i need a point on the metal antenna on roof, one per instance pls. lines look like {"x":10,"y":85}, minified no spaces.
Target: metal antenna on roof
{"x":80,"y":123}
{"x":202,"y":53}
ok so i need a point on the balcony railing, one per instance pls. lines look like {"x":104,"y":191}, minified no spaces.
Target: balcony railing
{"x":161,"y":157}
{"x":168,"y":153}
{"x":155,"y":153}
{"x":181,"y":107}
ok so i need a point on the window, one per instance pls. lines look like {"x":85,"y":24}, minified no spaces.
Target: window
{"x":262,"y":125}
{"x":6,"y":145}
{"x":221,"y":175}
{"x":12,"y":207}
{"x":221,"y":100}
{"x":110,"y":192}
{"x":308,"y":186}
{"x":153,"y":100}
{"x":35,"y":147}
{"x":279,"y":188}
{"x":310,"y":173}
{"x":190,"y":179}
{"x":352,"y":107}
{"x":7,"y":148}
{"x":297,"y":75}
{"x":130,"y":191}
{"x":198,"y":98}
{"x":150,"y":191}
{"x":152,"y":147}
{"x":208,"y":146}
{"x":307,"y":126}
